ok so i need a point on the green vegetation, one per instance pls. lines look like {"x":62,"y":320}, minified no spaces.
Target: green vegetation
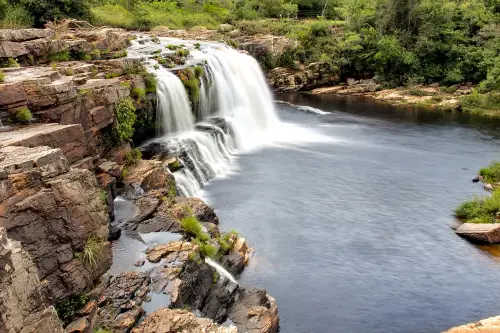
{"x":112,"y":75}
{"x":2,"y":77}
{"x":480,"y":209}
{"x":491,"y":174}
{"x":12,"y":63}
{"x":191,"y":82}
{"x":193,"y":228}
{"x":133,"y":157}
{"x":103,"y":330}
{"x":61,"y":56}
{"x":123,"y":129}
{"x":486,"y":104}
{"x":120,"y":54}
{"x":138,"y":93}
{"x":95,"y":54}
{"x":66,"y":309}
{"x":104,"y":197}
{"x":69,"y":71}
{"x":24,"y":115}
{"x":91,"y":251}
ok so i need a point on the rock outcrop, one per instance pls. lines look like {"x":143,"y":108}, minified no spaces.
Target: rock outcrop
{"x":254,"y":311}
{"x":489,"y":325}
{"x":309,"y":77}
{"x":53,"y":211}
{"x":173,"y":321}
{"x":22,"y":304}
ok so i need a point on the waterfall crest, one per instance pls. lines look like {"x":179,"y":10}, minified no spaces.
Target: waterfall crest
{"x":234,"y":111}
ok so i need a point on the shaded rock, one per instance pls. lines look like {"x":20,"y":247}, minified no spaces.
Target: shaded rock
{"x":234,"y":262}
{"x":21,"y":35}
{"x":312,"y":76}
{"x":139,"y":263}
{"x":118,"y":154}
{"x":125,"y":321}
{"x":254,"y":311}
{"x":480,"y":232}
{"x":477,"y":179}
{"x":173,"y":321}
{"x":114,"y":233}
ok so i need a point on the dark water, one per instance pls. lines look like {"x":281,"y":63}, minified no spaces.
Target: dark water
{"x":353,"y":235}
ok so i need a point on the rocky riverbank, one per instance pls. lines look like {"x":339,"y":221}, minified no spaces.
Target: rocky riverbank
{"x":72,"y":106}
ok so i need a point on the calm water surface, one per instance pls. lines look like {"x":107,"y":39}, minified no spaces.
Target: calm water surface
{"x":352,"y":233}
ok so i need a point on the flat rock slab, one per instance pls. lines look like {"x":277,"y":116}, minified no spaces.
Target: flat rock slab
{"x":480,"y":233}
{"x":69,"y":138}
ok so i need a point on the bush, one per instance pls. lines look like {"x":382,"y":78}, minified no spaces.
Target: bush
{"x":491,"y":173}
{"x":11,"y":62}
{"x":24,"y":115}
{"x":66,"y":309}
{"x":199,"y":71}
{"x":61,"y":56}
{"x":123,"y":129}
{"x":95,"y":54}
{"x":150,"y":81}
{"x":208,"y":250}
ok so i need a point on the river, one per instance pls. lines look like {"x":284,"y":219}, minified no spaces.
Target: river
{"x":351,"y":227}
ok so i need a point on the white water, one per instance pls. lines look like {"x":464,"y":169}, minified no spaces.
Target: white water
{"x":173,"y":109}
{"x":221,"y":270}
{"x":235,"y":111}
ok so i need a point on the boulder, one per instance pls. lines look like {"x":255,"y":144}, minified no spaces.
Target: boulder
{"x":485,"y":233}
{"x":309,"y":77}
{"x":80,"y":325}
{"x":254,"y":311}
{"x":156,"y":253}
{"x":173,"y":321}
{"x":196,"y":207}
{"x":150,"y":175}
{"x":234,"y":262}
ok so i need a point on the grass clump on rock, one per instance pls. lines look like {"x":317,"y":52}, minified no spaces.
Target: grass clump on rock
{"x":2,"y":77}
{"x":91,"y":251}
{"x":24,"y":115}
{"x":66,"y":309}
{"x":480,"y":209}
{"x":491,"y":174}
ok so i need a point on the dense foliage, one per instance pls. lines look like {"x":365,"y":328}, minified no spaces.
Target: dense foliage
{"x":398,"y":41}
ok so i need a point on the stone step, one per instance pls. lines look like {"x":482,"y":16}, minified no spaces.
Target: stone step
{"x":480,"y":232}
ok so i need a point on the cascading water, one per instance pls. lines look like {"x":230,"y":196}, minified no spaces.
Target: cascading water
{"x":234,"y":108}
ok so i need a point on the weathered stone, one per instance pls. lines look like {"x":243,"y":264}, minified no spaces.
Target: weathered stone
{"x":240,"y":246}
{"x":312,"y":76}
{"x":52,"y":211}
{"x":68,"y":138}
{"x":173,"y":321}
{"x":22,"y":306}
{"x":156,"y":253}
{"x":254,"y":311}
{"x":489,"y":325}
{"x":196,"y":207}
{"x":480,"y":232}
{"x":80,"y":325}
{"x":125,"y":321}
{"x":150,"y":175}
{"x":21,"y":35}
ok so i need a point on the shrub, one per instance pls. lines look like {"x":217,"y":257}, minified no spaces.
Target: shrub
{"x":208,"y":250}
{"x":417,"y":92}
{"x":69,"y":71}
{"x":125,"y":84}
{"x":182,"y":53}
{"x":24,"y":115}
{"x":66,"y":309}
{"x":491,"y":173}
{"x":123,"y":129}
{"x":2,"y":77}
{"x":197,"y":46}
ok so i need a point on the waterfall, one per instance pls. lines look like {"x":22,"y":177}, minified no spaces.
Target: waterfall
{"x":234,"y":111}
{"x":221,"y":270}
{"x":173,"y":109}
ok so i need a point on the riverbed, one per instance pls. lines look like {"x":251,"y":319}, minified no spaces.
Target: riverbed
{"x":351,"y":224}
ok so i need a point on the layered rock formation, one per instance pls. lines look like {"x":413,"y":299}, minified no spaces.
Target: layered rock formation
{"x":53,"y":211}
{"x":22,"y":304}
